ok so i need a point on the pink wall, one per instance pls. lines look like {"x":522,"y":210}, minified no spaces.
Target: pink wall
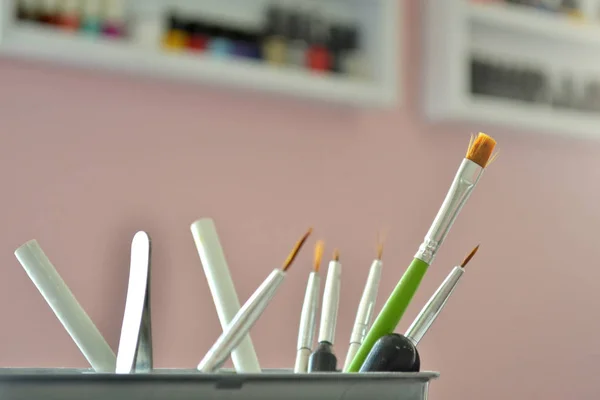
{"x":88,"y":159}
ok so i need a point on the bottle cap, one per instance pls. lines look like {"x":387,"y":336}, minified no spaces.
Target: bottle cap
{"x":174,"y":23}
{"x":275,"y":24}
{"x":317,"y":31}
{"x":91,"y":8}
{"x":114,"y":10}
{"x":297,"y":26}
{"x":337,"y":37}
{"x":70,"y":7}
{"x":352,"y":38}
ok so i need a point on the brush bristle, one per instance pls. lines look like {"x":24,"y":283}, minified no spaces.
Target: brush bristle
{"x":292,"y":256}
{"x":380,"y":240}
{"x":481,"y":149}
{"x":469,"y":257}
{"x":336,"y":255}
{"x":318,"y":255}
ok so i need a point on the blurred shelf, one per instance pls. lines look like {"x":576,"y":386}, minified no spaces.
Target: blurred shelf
{"x":511,"y":35}
{"x":534,"y":22}
{"x":39,"y":43}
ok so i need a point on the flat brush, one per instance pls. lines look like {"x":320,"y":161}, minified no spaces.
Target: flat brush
{"x":247,"y":316}
{"x":66,"y":307}
{"x":323,"y":359}
{"x":479,"y":155}
{"x":308,"y":317}
{"x":398,"y":353}
{"x":366,"y":307}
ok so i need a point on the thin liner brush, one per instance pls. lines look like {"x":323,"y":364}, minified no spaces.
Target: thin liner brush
{"x":323,"y":359}
{"x":398,"y":353}
{"x":308,"y":318}
{"x":247,"y":316}
{"x":364,"y":315}
{"x":436,"y":303}
{"x":478,"y":156}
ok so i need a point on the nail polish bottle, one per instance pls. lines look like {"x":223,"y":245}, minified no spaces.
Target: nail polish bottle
{"x":274,"y":44}
{"x":220,"y":44}
{"x":297,"y":40}
{"x":49,"y":12}
{"x":175,"y":38}
{"x":114,"y":22}
{"x":198,"y":37}
{"x":318,"y":55}
{"x":91,"y":23}
{"x":245,"y":45}
{"x":69,"y":15}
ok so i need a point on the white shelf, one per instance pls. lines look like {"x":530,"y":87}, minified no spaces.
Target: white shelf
{"x":534,"y":22}
{"x":45,"y":44}
{"x":513,"y":34}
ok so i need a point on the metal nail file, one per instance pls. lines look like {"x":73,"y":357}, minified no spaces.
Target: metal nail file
{"x":135,"y":344}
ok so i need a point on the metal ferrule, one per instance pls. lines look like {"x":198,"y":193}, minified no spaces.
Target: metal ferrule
{"x":367,"y":304}
{"x":308,"y":318}
{"x":434,"y":306}
{"x":331,"y":300}
{"x":464,"y":182}
{"x":240,"y":325}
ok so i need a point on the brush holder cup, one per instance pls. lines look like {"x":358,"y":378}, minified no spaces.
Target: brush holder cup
{"x":176,"y":384}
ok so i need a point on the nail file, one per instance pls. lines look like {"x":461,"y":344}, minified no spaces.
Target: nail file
{"x":135,"y":344}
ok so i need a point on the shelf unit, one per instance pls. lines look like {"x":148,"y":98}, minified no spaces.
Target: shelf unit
{"x":455,"y":30}
{"x":378,"y":21}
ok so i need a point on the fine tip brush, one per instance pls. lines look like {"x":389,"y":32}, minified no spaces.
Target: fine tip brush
{"x":308,"y":317}
{"x":364,"y":315}
{"x":479,"y":155}
{"x":323,"y":359}
{"x":250,"y":312}
{"x":398,"y":353}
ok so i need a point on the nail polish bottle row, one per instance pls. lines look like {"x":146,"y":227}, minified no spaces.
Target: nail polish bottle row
{"x":287,"y":39}
{"x":568,"y":7}
{"x":532,"y":85}
{"x":196,"y":35}
{"x":92,"y":17}
{"x":300,"y":39}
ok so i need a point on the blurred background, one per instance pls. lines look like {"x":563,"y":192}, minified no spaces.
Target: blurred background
{"x":350,"y":116}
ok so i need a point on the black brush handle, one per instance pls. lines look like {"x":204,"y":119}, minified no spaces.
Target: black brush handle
{"x":323,"y":359}
{"x":392,"y":353}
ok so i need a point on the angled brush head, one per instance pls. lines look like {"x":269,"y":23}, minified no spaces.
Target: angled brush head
{"x":481,"y":149}
{"x":292,"y":256}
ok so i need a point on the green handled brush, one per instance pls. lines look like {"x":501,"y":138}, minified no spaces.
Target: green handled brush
{"x":479,"y":155}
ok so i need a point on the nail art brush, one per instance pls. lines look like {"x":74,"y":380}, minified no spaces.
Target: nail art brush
{"x":479,"y":156}
{"x":308,"y":316}
{"x":247,"y":316}
{"x":223,"y":290}
{"x":398,"y":353}
{"x":323,"y":358}
{"x":366,"y":307}
{"x":66,"y":308}
{"x":135,"y":344}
